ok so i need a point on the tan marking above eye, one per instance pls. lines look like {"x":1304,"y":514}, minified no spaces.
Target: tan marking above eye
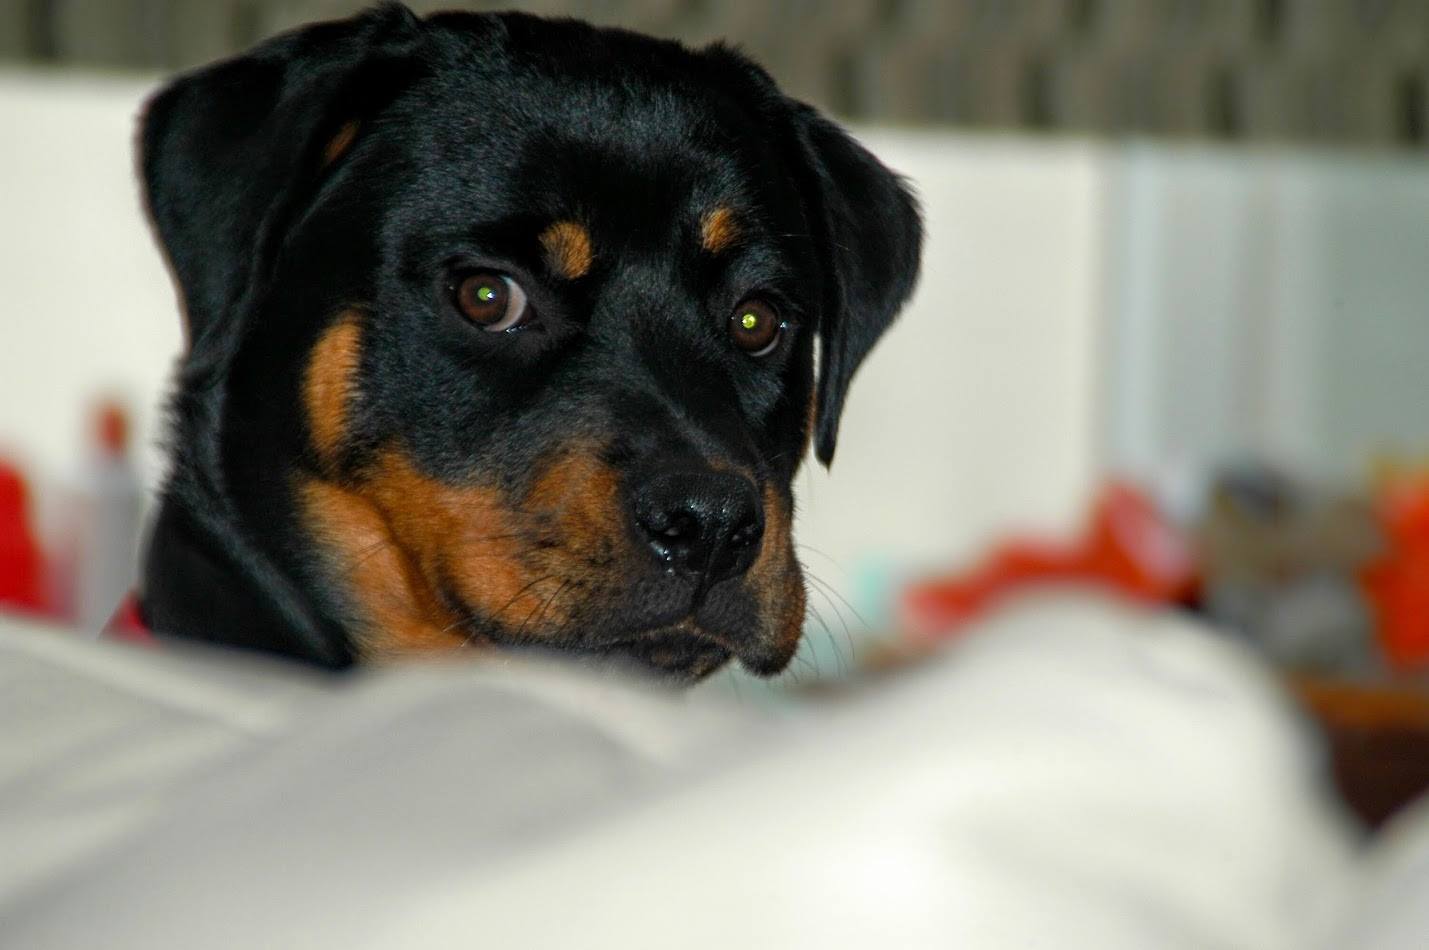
{"x":330,"y":384}
{"x":718,"y":230}
{"x":338,"y":145}
{"x":568,"y":249}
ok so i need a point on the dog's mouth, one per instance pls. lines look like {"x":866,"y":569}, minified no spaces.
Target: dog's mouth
{"x":682,"y":650}
{"x":681,"y":654}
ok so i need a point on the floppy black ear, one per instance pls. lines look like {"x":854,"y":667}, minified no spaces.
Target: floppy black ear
{"x":227,"y":150}
{"x":870,"y":236}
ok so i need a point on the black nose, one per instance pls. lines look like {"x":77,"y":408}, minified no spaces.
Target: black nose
{"x":702,"y":523}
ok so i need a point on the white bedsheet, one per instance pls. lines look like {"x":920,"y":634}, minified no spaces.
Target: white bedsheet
{"x":1074,"y":775}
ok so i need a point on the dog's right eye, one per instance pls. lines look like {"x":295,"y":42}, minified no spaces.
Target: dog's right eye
{"x":492,"y":301}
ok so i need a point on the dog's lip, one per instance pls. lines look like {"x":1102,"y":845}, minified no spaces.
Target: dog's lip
{"x":680,"y":651}
{"x":684,"y":627}
{"x":685,"y":630}
{"x":755,"y":654}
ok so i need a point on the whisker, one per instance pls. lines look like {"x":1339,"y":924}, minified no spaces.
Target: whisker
{"x":464,"y":618}
{"x":365,"y":555}
{"x":831,"y":590}
{"x":519,"y":594}
{"x":734,"y":685}
{"x":809,"y":662}
{"x":823,"y":588}
{"x":536,"y":614}
{"x":376,"y":547}
{"x":827,"y":557}
{"x":842,"y":666}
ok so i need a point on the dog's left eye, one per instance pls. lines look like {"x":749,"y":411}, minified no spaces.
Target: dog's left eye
{"x":492,"y":301}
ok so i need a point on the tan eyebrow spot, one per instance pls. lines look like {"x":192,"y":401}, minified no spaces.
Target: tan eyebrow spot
{"x":718,"y":230}
{"x":338,"y":145}
{"x":568,"y":249}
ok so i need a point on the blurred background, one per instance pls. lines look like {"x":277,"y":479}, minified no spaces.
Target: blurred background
{"x":1324,"y":71}
{"x":1172,"y":336}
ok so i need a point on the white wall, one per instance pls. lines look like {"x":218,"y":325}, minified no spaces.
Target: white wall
{"x":1266,"y":303}
{"x":976,"y":414}
{"x":85,"y":303}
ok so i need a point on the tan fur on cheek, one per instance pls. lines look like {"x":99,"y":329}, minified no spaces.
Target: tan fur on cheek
{"x":398,"y":613}
{"x":396,"y":536}
{"x":399,"y":538}
{"x":413,"y":554}
{"x":330,"y":385}
{"x":467,"y":536}
{"x":579,"y":494}
{"x":777,"y":580}
{"x":568,"y":249}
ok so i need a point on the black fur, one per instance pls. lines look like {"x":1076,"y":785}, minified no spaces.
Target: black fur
{"x":474,"y":131}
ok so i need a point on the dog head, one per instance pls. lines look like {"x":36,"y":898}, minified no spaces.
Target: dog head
{"x":502,"y":332}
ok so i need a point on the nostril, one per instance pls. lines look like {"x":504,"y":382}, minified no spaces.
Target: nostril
{"x":748,"y":534}
{"x":682,"y":526}
{"x":740,"y":548}
{"x":672,"y":534}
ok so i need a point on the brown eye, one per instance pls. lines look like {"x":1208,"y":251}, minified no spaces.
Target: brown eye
{"x":755,"y":327}
{"x":492,"y":301}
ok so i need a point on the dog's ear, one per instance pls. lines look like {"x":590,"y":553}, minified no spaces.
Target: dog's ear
{"x":869,"y":237}
{"x":226,"y":151}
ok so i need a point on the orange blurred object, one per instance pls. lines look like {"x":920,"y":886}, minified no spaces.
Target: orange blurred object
{"x":1398,"y":583}
{"x":111,"y":429}
{"x":1129,"y":548}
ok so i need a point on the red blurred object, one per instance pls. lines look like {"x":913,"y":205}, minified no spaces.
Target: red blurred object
{"x":128,"y":624}
{"x":22,"y":581}
{"x":1128,"y":548}
{"x":1398,"y":583}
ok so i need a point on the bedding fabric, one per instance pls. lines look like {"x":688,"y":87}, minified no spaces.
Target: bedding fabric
{"x":1074,"y":774}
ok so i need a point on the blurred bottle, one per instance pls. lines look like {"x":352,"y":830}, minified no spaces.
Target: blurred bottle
{"x":22,"y":582}
{"x":105,"y":538}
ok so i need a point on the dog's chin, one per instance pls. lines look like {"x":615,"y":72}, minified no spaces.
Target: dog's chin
{"x":679,"y":655}
{"x":687,"y":654}
{"x":673,"y":655}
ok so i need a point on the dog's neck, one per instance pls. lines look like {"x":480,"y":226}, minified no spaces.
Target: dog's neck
{"x":201,"y":583}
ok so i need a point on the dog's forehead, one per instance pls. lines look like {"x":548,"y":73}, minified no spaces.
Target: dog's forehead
{"x":644,"y":150}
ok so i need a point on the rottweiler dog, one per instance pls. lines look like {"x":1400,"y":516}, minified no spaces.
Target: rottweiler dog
{"x":501,"y":334}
